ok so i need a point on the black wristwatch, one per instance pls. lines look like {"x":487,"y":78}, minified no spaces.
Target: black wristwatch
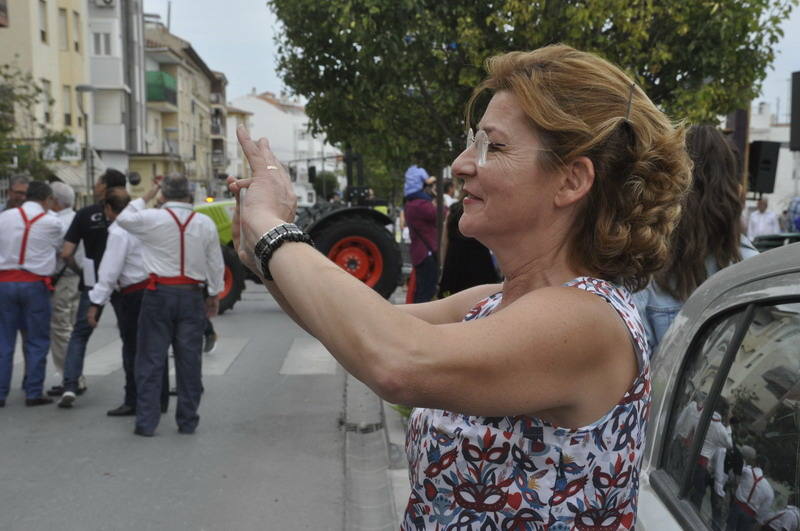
{"x":274,"y":238}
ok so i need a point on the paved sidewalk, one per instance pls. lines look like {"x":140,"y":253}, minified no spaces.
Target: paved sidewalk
{"x":376,"y":469}
{"x":398,"y":463}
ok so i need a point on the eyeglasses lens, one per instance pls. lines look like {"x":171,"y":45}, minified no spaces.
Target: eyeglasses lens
{"x":482,"y":140}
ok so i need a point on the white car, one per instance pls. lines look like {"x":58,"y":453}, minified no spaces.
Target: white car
{"x":723,"y":447}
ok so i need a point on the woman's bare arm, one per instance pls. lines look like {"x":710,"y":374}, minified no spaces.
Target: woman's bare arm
{"x":554,"y":349}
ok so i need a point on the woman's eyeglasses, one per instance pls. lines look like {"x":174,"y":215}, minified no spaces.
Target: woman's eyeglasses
{"x":481,"y":142}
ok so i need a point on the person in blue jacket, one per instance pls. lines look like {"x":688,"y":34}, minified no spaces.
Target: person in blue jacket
{"x":708,"y":237}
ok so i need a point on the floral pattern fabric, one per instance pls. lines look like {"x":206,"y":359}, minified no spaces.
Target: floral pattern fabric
{"x":520,"y":473}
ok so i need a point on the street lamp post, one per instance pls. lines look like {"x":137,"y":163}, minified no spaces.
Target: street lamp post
{"x":88,"y":157}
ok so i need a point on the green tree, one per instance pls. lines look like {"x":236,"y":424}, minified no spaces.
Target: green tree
{"x":22,"y":135}
{"x":391,"y":77}
{"x":326,"y":183}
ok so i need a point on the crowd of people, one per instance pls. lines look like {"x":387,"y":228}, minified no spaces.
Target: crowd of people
{"x":160,"y":268}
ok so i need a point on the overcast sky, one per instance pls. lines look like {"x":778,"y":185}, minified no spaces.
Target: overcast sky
{"x":232,"y":36}
{"x":236,"y":37}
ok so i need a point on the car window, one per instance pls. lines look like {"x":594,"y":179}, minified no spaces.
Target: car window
{"x":696,"y":380}
{"x":747,"y":471}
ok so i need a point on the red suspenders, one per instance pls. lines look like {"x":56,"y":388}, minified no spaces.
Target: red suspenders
{"x":755,"y":482}
{"x":745,"y":505}
{"x":182,"y":278}
{"x":21,"y":275}
{"x":28,"y":225}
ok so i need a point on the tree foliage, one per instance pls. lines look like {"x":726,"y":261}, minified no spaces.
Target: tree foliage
{"x":22,"y":135}
{"x":326,"y":183}
{"x":391,"y":77}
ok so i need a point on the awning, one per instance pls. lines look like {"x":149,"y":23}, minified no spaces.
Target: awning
{"x":74,"y":174}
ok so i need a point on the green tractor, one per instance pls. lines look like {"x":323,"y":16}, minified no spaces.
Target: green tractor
{"x":353,"y":236}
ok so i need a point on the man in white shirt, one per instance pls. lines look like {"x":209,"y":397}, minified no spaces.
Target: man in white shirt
{"x":29,"y":241}
{"x":181,"y":252}
{"x":122,"y":269}
{"x":754,"y":496}
{"x":718,"y":436}
{"x":17,"y":189}
{"x":786,"y":519}
{"x":65,"y":281}
{"x":762,"y":221}
{"x":89,"y":228}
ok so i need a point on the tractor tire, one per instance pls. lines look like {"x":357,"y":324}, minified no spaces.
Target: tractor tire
{"x":363,"y":248}
{"x":234,"y":280}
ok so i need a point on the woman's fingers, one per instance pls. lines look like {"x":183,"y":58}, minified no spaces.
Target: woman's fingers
{"x":259,"y":155}
{"x":251,"y":151}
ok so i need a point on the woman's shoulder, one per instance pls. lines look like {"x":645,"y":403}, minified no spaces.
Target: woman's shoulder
{"x":623,"y":302}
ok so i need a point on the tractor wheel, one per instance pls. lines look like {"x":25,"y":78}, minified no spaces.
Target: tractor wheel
{"x":363,"y":248}
{"x":234,"y":280}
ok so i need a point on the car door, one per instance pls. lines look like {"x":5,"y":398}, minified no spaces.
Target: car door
{"x":728,"y":452}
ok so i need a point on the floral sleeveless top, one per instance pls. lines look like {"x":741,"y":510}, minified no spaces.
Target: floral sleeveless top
{"x":518,"y":473}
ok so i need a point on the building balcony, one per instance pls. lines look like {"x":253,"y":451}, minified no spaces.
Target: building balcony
{"x":218,"y":158}
{"x":217,"y":129}
{"x":217,"y":98}
{"x":109,"y":137}
{"x":162,"y":92}
{"x":107,"y":71}
{"x":171,"y":147}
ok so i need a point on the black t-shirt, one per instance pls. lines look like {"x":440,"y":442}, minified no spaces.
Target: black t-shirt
{"x":90,"y":226}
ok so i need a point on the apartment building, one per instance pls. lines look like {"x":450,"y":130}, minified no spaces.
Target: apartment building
{"x":49,"y":39}
{"x":285,"y":123}
{"x":219,"y":125}
{"x":116,"y":51}
{"x":237,"y":165}
{"x":177,"y":136}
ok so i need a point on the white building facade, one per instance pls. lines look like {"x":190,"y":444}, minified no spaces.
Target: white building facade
{"x":116,"y":48}
{"x":285,"y":123}
{"x":237,"y":165}
{"x":763,"y":127}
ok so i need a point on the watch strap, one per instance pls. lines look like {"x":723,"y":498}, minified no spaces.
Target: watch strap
{"x":271,"y":240}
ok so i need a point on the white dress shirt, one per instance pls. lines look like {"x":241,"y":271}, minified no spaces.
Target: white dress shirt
{"x":122,"y":264}
{"x":718,"y":436}
{"x":44,"y":240}
{"x":760,"y":498}
{"x":161,"y":242}
{"x":787,"y":519}
{"x":762,"y":223}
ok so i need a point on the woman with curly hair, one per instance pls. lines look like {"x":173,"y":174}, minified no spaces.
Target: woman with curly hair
{"x":532,"y":395}
{"x":708,"y":237}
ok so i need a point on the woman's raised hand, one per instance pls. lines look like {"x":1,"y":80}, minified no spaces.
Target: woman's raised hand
{"x":270,"y":198}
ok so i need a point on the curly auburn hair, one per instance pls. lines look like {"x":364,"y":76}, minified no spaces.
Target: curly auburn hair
{"x":710,"y":227}
{"x":581,"y":105}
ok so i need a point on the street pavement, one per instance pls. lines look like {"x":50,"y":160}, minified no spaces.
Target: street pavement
{"x":269,"y":452}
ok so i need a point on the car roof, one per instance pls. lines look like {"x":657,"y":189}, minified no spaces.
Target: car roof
{"x":772,"y":263}
{"x":772,"y":274}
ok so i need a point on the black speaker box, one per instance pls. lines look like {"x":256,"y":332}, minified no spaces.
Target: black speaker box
{"x":763,"y":163}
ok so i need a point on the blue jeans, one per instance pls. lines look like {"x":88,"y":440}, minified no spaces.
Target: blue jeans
{"x":25,"y":306}
{"x":81,"y":332}
{"x":169,"y":316}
